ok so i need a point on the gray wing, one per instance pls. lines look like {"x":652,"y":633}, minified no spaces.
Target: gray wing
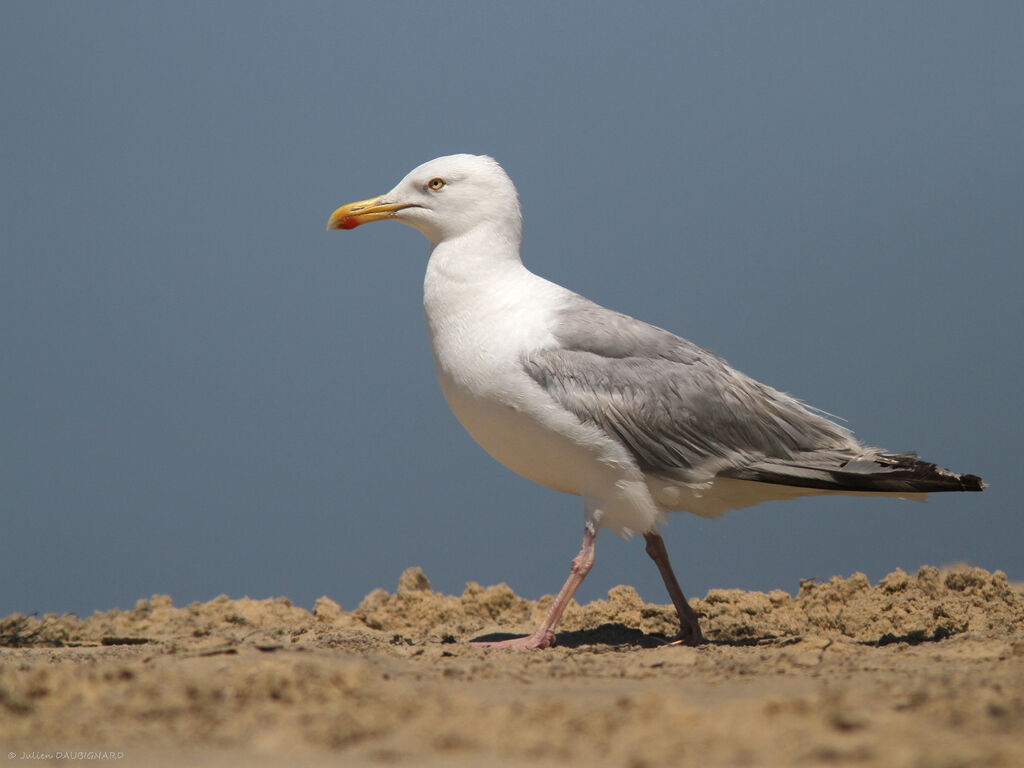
{"x":682,"y":411}
{"x":685,"y":414}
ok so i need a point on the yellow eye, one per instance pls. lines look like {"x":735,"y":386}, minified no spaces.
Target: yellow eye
{"x":435,"y":184}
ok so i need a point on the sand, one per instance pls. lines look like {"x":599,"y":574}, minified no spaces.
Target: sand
{"x":917,"y":670}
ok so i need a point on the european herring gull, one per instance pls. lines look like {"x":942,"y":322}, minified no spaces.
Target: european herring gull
{"x":635,"y":420}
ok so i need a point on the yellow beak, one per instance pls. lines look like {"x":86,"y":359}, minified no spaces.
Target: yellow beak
{"x":352,"y":215}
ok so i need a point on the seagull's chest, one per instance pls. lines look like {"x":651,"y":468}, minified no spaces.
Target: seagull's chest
{"x":482,"y":323}
{"x":479,"y":335}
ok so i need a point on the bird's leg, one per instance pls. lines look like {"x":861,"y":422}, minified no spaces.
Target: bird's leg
{"x":689,"y":627}
{"x":545,"y":634}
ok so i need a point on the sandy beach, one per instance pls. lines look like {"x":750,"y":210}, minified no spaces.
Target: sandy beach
{"x":922,"y":669}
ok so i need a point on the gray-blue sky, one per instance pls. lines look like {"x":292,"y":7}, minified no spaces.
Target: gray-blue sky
{"x":203,"y":392}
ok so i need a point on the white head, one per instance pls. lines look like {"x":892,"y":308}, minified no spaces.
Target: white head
{"x":445,"y":199}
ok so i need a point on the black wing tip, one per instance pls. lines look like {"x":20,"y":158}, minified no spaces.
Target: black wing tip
{"x":901,"y":473}
{"x":971,"y":483}
{"x":933,"y":478}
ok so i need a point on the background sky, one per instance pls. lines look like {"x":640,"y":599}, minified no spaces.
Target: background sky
{"x":203,"y":392}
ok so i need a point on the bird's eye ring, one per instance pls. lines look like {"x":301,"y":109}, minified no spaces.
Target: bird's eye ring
{"x":435,"y":184}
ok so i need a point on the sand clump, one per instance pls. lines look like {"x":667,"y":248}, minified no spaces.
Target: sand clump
{"x":898,"y":607}
{"x":923,"y":669}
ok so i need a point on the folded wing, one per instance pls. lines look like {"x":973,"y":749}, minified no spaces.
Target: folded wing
{"x":685,"y":415}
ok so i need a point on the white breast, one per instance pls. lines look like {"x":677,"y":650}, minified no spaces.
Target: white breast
{"x":481,"y":324}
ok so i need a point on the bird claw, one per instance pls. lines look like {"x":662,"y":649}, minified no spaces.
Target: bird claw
{"x":691,"y":637}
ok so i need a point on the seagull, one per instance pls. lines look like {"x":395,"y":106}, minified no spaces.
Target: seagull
{"x":581,"y":399}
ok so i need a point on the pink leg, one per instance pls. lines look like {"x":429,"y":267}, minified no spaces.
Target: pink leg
{"x":689,"y":627}
{"x":545,"y":634}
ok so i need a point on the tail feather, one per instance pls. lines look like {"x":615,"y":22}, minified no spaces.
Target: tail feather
{"x":871,"y":472}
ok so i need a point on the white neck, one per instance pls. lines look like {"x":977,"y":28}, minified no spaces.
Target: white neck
{"x":477,"y":296}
